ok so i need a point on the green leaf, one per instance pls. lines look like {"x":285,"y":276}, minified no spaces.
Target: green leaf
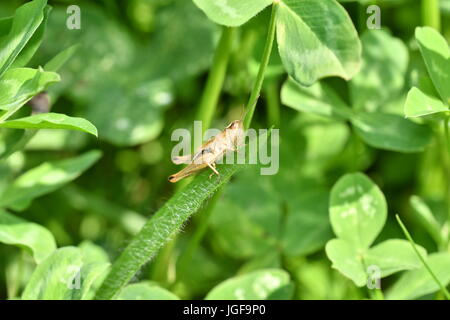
{"x":46,"y":178}
{"x":318,"y":98}
{"x":346,"y":259}
{"x":391,"y":132}
{"x":357,"y":210}
{"x":93,"y":253}
{"x":306,"y":228}
{"x":417,"y":283}
{"x":65,"y":275}
{"x":231,"y":13}
{"x":26,"y":21}
{"x":269,"y":284}
{"x":34,"y":43}
{"x":51,"y":121}
{"x":426,"y":218}
{"x":383,"y":70}
{"x":144,"y":291}
{"x":316,"y":39}
{"x":436,"y":54}
{"x":420,"y":104}
{"x":19,"y":85}
{"x":91,"y":276}
{"x":54,"y":278}
{"x":133,"y":120}
{"x":35,"y":238}
{"x":394,"y":255}
{"x":57,"y":61}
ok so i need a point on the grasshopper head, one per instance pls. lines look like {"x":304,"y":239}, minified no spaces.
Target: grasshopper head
{"x":236,"y":124}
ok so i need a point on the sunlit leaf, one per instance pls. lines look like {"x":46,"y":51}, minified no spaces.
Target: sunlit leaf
{"x":32,"y":236}
{"x":417,"y":283}
{"x":436,"y":54}
{"x":420,"y":104}
{"x":358,"y":210}
{"x":46,"y":178}
{"x":19,"y":85}
{"x":231,"y":12}
{"x":26,"y":21}
{"x":144,"y":291}
{"x":51,"y":121}
{"x":269,"y":284}
{"x":316,"y":39}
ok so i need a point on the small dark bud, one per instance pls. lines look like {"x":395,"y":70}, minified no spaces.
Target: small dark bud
{"x":40,"y":103}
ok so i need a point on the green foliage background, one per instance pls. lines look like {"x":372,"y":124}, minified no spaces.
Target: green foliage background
{"x":364,"y":135}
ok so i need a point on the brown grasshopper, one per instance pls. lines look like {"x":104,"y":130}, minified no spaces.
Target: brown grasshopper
{"x":211,"y":151}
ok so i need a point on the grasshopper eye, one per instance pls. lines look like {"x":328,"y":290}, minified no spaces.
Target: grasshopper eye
{"x":233,"y":125}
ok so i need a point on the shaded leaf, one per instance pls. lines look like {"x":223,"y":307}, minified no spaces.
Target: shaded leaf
{"x":57,"y":61}
{"x":318,"y":98}
{"x":383,"y":70}
{"x":391,"y":132}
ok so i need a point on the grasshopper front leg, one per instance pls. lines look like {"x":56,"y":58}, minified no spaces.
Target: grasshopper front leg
{"x":213,"y":168}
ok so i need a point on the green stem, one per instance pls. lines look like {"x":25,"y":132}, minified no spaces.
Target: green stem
{"x":251,"y":105}
{"x":273,"y":103}
{"x":408,"y":236}
{"x":216,"y":77}
{"x":431,"y":14}
{"x":447,"y":164}
{"x":159,"y":229}
{"x":186,"y":255}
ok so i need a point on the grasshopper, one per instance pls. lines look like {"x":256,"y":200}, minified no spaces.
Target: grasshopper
{"x":211,"y":151}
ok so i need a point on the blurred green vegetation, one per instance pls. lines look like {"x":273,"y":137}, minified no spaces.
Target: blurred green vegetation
{"x":138,"y":73}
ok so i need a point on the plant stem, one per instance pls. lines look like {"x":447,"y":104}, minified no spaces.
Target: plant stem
{"x":273,"y":104}
{"x":216,"y":77}
{"x":408,"y":236}
{"x":431,"y":14}
{"x":160,"y":228}
{"x":186,"y":255}
{"x":447,"y":164}
{"x":251,"y":105}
